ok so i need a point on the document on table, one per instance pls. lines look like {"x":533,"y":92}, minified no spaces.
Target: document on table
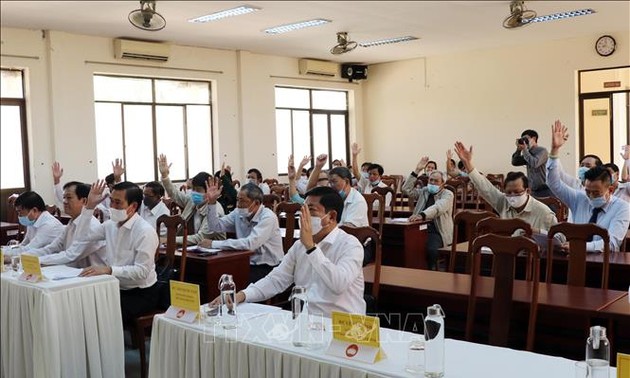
{"x":400,"y":220}
{"x":248,"y":311}
{"x":60,"y":272}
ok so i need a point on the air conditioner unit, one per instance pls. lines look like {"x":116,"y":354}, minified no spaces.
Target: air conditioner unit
{"x":128,"y":49}
{"x":318,"y":67}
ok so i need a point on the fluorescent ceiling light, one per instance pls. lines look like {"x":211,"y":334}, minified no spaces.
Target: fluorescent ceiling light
{"x":296,"y":26}
{"x":243,"y":9}
{"x":387,"y":41}
{"x":561,"y":15}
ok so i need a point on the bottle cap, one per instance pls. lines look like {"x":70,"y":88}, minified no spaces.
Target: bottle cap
{"x":597,"y":333}
{"x":435,"y":310}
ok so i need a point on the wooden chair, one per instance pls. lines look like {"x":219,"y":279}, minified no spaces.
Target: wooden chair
{"x":504,"y":227}
{"x":390,"y":182}
{"x":370,"y":198}
{"x":236,"y":184}
{"x":173,"y":207}
{"x":383,"y":192}
{"x":369,"y":235}
{"x":461,"y":191}
{"x":577,"y":235}
{"x":398,"y":179}
{"x":496,"y":177}
{"x":271,"y":182}
{"x":468,"y":220}
{"x":505,"y":250}
{"x":281,"y":190}
{"x":271,"y":200}
{"x":166,"y":262}
{"x":561,"y":210}
{"x":53,"y":210}
{"x":290,"y":209}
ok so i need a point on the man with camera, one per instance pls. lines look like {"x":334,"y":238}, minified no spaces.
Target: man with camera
{"x":534,"y":157}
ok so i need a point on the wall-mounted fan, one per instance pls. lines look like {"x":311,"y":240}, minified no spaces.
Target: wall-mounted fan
{"x":519,"y":15}
{"x":146,"y":18}
{"x":343,"y":44}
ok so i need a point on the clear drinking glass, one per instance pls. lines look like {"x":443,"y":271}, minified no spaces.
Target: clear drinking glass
{"x":415,"y":356}
{"x":15,"y":264}
{"x":581,"y":369}
{"x":211,"y":313}
{"x":228,"y":301}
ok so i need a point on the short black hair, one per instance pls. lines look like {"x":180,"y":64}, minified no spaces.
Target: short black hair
{"x":378,"y":167}
{"x":109,"y":179}
{"x":81,"y":189}
{"x":257,"y":173}
{"x":431,"y":162}
{"x":200,"y":179}
{"x":598,"y":173}
{"x":30,"y":200}
{"x":328,"y":198}
{"x":156,"y":187}
{"x":513,"y":176}
{"x":309,"y":171}
{"x":612,"y":166}
{"x":598,"y":161}
{"x":530,"y":133}
{"x":460,"y":164}
{"x":342,"y":172}
{"x":366,"y":164}
{"x":253,"y":192}
{"x":304,"y":171}
{"x":133,"y":193}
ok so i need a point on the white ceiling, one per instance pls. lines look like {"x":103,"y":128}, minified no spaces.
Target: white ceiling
{"x":442,"y":26}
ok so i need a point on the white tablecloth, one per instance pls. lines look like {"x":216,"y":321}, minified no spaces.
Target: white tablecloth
{"x":65,"y":328}
{"x":255,"y":350}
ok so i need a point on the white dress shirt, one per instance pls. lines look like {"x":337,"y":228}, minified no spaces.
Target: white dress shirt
{"x":265,"y":188}
{"x":67,"y":250}
{"x":623,"y":191}
{"x":261,"y":234}
{"x":354,"y":210}
{"x":615,"y":216}
{"x":130,"y":248}
{"x":43,"y":232}
{"x":365,"y":186}
{"x":151,"y":215}
{"x":332,"y":275}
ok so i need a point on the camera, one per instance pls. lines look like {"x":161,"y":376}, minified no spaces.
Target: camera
{"x":523,"y":140}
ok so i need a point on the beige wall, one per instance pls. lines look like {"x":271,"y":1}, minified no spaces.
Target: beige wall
{"x":60,"y":98}
{"x":484,"y":98}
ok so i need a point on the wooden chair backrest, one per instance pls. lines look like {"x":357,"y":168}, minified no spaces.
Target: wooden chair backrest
{"x":173,"y":223}
{"x":271,"y":181}
{"x":390,"y":182}
{"x":469,"y":219}
{"x":504,"y":227}
{"x":461,"y":191}
{"x":498,"y":177}
{"x":398,"y":179}
{"x":370,"y":198}
{"x":561,"y":210}
{"x":53,"y":210}
{"x":271,"y":200}
{"x":505,"y":250}
{"x":236,"y":184}
{"x":290,"y":209}
{"x":281,"y":190}
{"x":577,"y":235}
{"x":383,"y":192}
{"x":369,"y":235}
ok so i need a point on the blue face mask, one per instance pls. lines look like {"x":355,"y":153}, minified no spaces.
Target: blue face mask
{"x":342,"y":193}
{"x":197,"y":198}
{"x":598,"y":201}
{"x":375,"y":182}
{"x":463,"y":174}
{"x":581,"y":172}
{"x":24,"y":221}
{"x":433,"y":189}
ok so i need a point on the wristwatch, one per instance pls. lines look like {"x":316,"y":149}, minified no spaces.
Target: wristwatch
{"x":414,"y":174}
{"x":308,"y":251}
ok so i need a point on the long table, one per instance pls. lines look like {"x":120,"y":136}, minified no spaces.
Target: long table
{"x":65,"y":328}
{"x":261,"y":346}
{"x":8,"y":231}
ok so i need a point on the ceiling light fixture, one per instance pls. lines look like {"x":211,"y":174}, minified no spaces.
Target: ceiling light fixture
{"x":243,"y":9}
{"x":296,"y":26}
{"x":561,"y":15}
{"x":387,"y":41}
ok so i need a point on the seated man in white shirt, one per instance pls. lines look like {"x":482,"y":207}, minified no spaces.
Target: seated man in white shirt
{"x":131,"y":245}
{"x":152,"y":205}
{"x":41,"y":227}
{"x":620,"y":189}
{"x":66,"y":249}
{"x":256,"y":228}
{"x":326,"y":260}
{"x":255,"y":177}
{"x":373,"y":179}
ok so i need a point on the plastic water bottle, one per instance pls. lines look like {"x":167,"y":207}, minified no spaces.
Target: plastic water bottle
{"x":228,"y":301}
{"x":598,"y":353}
{"x":299,"y":308}
{"x":434,"y":342}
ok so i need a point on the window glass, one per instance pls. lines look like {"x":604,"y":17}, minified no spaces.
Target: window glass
{"x":11,"y":84}
{"x":199,"y":139}
{"x":182,"y":92}
{"x":331,"y":100}
{"x":292,"y":98}
{"x":11,"y":154}
{"x":124,"y":89}
{"x":139,"y":155}
{"x":283,"y":139}
{"x":109,"y":141}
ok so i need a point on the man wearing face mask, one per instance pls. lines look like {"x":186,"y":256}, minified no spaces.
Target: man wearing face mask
{"x":66,"y":248}
{"x":193,"y":204}
{"x":41,"y":227}
{"x":434,"y":204}
{"x":326,"y":260}
{"x":587,"y":162}
{"x":255,"y":177}
{"x":256,"y":228}
{"x":373,"y":178}
{"x":593,"y":204}
{"x":131,"y":244}
{"x":619,"y":189}
{"x":152,"y":205}
{"x":515,"y":201}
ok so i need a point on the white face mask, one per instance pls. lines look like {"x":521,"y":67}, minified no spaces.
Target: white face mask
{"x":316,"y":225}
{"x":518,"y":201}
{"x":118,"y":215}
{"x":243,"y":212}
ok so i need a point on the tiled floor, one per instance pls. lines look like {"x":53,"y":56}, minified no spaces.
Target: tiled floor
{"x":132,"y":360}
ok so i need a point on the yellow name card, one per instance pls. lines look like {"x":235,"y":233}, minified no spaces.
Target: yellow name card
{"x":185,"y":301}
{"x":356,"y":337}
{"x":623,"y":365}
{"x":2,"y":258}
{"x":32,"y":268}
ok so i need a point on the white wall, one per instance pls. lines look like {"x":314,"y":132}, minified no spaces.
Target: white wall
{"x":61,"y":109}
{"x":485,"y":98}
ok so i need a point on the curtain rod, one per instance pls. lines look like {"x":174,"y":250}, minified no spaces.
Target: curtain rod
{"x":148,"y":66}
{"x":19,"y":56}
